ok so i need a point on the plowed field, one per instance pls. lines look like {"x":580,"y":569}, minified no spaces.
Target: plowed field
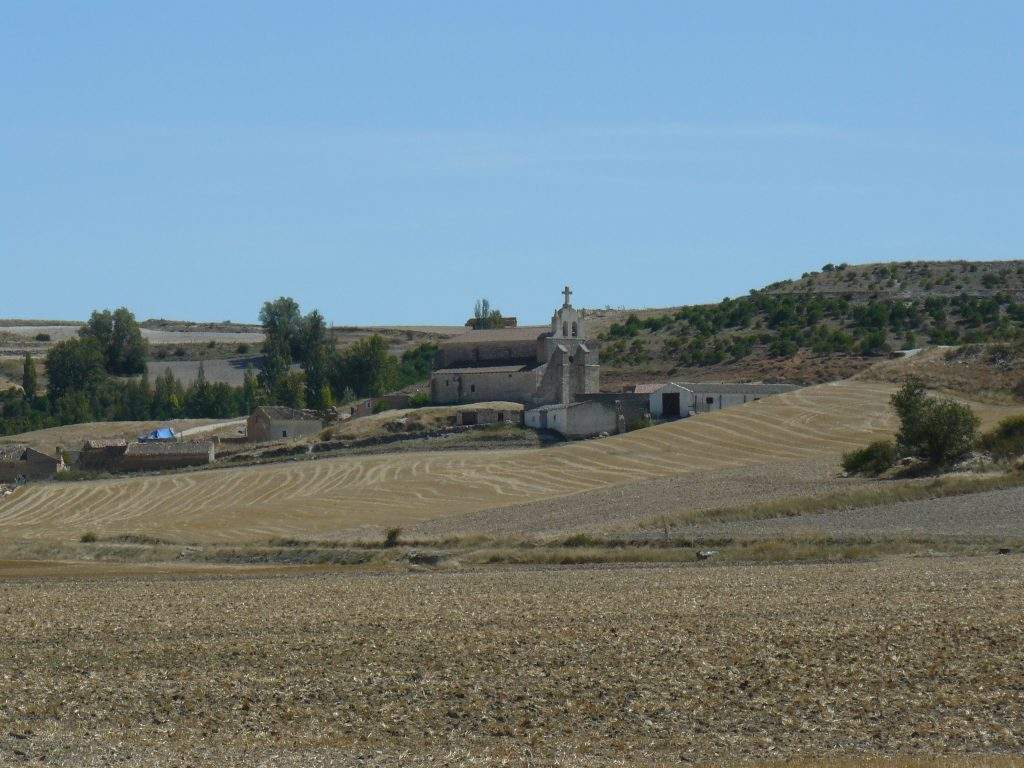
{"x":329,"y":496}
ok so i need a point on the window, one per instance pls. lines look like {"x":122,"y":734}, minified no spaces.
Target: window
{"x":709,"y":400}
{"x":565,"y":329}
{"x":574,"y":333}
{"x":472,"y":387}
{"x":284,"y":433}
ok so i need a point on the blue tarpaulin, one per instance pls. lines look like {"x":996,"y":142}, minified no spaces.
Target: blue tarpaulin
{"x":160,"y":433}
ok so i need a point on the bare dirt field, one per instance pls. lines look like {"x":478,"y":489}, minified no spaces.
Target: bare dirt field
{"x":569,"y":666}
{"x":995,"y":514}
{"x":333,"y":497}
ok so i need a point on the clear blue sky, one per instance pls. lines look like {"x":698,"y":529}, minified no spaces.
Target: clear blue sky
{"x":390,"y":162}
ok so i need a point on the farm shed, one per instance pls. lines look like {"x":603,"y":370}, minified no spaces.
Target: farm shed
{"x":579,"y":419}
{"x":139,"y":457}
{"x":711,"y":396}
{"x":21,"y":461}
{"x":276,"y":422}
{"x":668,"y":400}
{"x":101,"y":455}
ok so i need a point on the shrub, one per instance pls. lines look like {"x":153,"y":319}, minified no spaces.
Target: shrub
{"x":42,"y":337}
{"x":88,"y":537}
{"x":419,"y":400}
{"x":380,"y":406}
{"x":871,"y":460}
{"x":1006,"y":440}
{"x":938,"y":431}
{"x":391,"y":537}
{"x":179,"y":352}
{"x":242,"y":348}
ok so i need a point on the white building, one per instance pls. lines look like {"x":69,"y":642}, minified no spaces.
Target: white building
{"x":581,"y":419}
{"x":667,"y":401}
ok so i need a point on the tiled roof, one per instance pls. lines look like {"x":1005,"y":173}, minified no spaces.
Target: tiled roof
{"x":736,"y":389}
{"x":12,"y":452}
{"x":520,"y":333}
{"x":283,"y":413}
{"x":95,"y":443}
{"x":169,"y":449}
{"x":485,"y":369}
{"x":646,"y":389}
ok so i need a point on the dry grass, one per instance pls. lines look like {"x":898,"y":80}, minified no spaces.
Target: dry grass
{"x":580,"y":666}
{"x":328,"y":497}
{"x":73,"y":435}
{"x":429,"y":418}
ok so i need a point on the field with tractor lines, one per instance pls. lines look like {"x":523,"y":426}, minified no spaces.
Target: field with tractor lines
{"x":333,"y":496}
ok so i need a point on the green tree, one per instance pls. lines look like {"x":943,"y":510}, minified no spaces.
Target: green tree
{"x":119,"y":339}
{"x":486,"y":317}
{"x":253,"y":394}
{"x":366,"y":367}
{"x":938,"y":431}
{"x":74,"y":365}
{"x":290,"y":390}
{"x":29,"y":382}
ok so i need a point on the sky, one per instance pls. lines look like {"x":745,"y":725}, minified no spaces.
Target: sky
{"x":389,"y":163}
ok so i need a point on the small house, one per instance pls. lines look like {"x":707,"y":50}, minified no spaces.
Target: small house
{"x":278,"y":422}
{"x":22,"y":462}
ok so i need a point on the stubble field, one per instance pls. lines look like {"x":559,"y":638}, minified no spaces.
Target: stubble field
{"x":600,"y":666}
{"x":334,"y":497}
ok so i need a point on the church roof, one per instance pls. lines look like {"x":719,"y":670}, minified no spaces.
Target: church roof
{"x":487,"y":369}
{"x":520,"y":333}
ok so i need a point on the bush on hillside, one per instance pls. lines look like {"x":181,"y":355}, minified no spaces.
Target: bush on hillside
{"x":1006,"y":441}
{"x":871,"y":460}
{"x":938,"y":431}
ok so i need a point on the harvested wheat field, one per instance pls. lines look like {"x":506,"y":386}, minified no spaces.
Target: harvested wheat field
{"x":566,"y":666}
{"x":330,"y":497}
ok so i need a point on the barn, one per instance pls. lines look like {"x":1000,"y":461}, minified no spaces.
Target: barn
{"x":277,"y":422}
{"x":668,"y":400}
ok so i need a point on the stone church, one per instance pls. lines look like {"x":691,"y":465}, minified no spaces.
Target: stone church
{"x":532,"y":365}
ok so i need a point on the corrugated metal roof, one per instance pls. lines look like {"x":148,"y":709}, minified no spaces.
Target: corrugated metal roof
{"x":646,"y":389}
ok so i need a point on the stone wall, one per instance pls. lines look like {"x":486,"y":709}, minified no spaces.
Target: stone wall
{"x":635,"y":409}
{"x":262,"y":430}
{"x":468,"y":386}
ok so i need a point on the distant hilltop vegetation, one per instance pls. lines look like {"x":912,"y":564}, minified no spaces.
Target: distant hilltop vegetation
{"x":823,"y":326}
{"x":910,"y":280}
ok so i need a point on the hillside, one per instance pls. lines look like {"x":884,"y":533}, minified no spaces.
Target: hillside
{"x":824,"y":326}
{"x":336,"y":497}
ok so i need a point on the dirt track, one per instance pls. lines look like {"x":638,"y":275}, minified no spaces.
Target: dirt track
{"x":330,"y":497}
{"x":598,"y":666}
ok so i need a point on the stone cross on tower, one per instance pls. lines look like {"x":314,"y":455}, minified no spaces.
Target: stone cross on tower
{"x":567,"y":292}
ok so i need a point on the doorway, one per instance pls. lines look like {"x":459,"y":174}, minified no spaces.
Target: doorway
{"x":670,"y":405}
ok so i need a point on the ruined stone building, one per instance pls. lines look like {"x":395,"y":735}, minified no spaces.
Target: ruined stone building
{"x":21,"y":462}
{"x":532,"y":365}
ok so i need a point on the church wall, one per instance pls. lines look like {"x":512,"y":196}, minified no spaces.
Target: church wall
{"x":486,"y":386}
{"x":452,"y":355}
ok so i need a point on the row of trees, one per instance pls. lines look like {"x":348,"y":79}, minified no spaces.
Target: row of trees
{"x":325,"y":375}
{"x":94,"y":377}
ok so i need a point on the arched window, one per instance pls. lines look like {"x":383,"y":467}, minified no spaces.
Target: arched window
{"x":565,"y":328}
{"x":574,"y":333}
